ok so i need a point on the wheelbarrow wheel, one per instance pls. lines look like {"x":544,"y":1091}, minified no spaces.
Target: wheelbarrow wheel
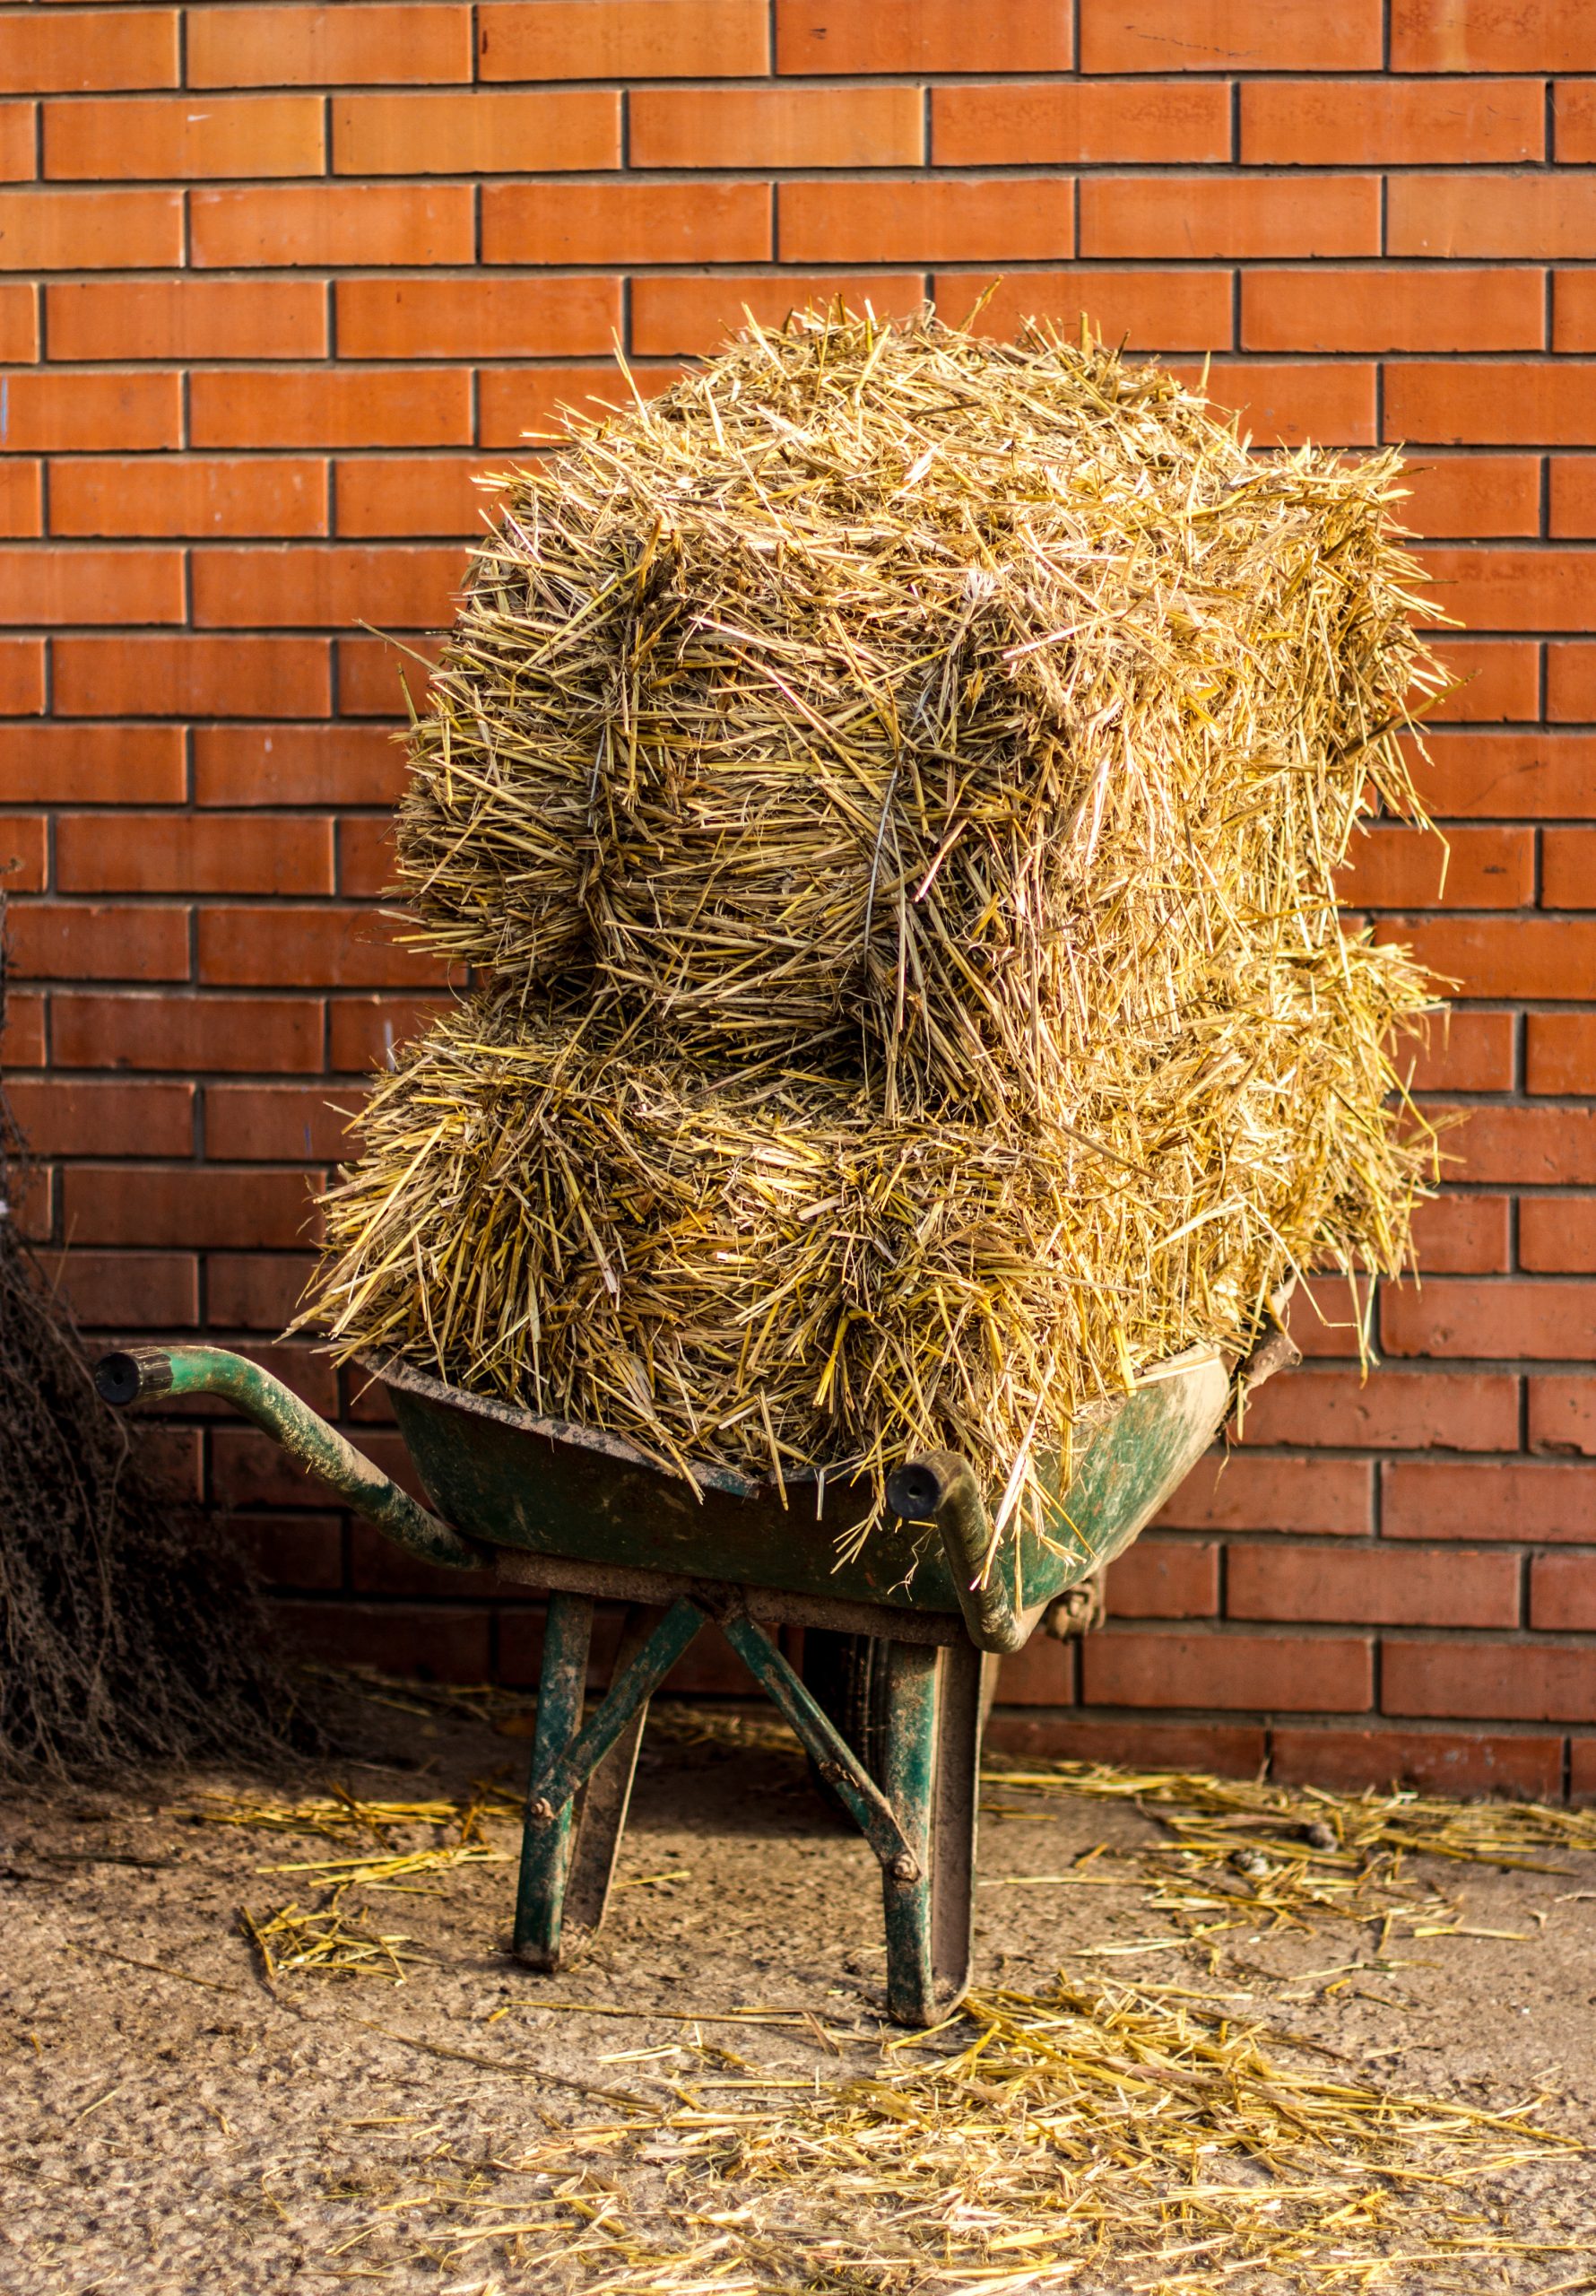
{"x":847,"y":1675}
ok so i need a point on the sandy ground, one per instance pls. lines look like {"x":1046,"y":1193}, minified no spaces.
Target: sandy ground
{"x":174,"y":2124}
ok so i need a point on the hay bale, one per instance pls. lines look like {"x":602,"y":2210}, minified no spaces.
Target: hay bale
{"x":894,"y":783}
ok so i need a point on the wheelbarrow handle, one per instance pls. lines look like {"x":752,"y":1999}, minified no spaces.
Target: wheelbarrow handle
{"x":940,"y":1487}
{"x":136,"y":1373}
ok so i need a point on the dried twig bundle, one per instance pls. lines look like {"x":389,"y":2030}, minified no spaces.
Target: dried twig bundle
{"x":895,"y":783}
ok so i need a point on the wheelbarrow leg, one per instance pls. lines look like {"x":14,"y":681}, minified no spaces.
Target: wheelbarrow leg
{"x":601,"y":1816}
{"x":932,"y":1758}
{"x":545,"y":1849}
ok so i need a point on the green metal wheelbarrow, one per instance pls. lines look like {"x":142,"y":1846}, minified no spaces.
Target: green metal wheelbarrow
{"x":901,"y":1637}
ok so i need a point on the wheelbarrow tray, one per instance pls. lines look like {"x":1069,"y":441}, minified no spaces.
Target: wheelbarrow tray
{"x":549,"y":1489}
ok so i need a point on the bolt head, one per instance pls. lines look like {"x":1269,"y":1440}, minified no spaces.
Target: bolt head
{"x":541,"y":1812}
{"x":905,"y":1868}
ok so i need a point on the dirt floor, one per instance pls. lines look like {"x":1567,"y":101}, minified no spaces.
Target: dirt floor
{"x":175,"y":2121}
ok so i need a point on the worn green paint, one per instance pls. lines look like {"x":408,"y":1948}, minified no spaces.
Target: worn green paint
{"x":546,"y":1848}
{"x":501,"y":1474}
{"x":910,"y":1782}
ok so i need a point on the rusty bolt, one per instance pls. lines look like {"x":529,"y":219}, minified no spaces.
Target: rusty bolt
{"x":541,"y":1812}
{"x":905,"y":1868}
{"x":831,"y":1771}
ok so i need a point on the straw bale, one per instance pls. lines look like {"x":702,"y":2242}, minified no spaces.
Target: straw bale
{"x":893,"y":786}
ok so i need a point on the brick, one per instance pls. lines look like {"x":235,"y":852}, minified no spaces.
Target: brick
{"x":366,"y":1031}
{"x":281,"y":947}
{"x":186,"y":318}
{"x":243,"y":589}
{"x":91,"y":764}
{"x":1569,"y":868}
{"x":1391,"y":310}
{"x":374,"y":675}
{"x":1469,"y":1051}
{"x":1459,"y":401}
{"x":1191,"y":217}
{"x":1535,"y":217}
{"x":23,"y":1031}
{"x":1229,"y":35}
{"x":50,"y":410}
{"x":480,"y":317}
{"x":424,"y":1640}
{"x":219,"y":853}
{"x":1571,"y":490}
{"x":21,"y":499}
{"x":129,"y":1290}
{"x":1396,"y":1410}
{"x":346,"y":406}
{"x":514,"y":403}
{"x":1556,"y":1236}
{"x":17,"y":144}
{"x":1545,"y":1682}
{"x":19,"y":322}
{"x":112,"y":495}
{"x":60,"y":941}
{"x":24,"y":858}
{"x":1152,"y":311}
{"x":328,"y":222}
{"x":91,"y":47}
{"x":1249,"y":1493}
{"x":22,"y":681}
{"x":277,"y":1123}
{"x":304,"y":1552}
{"x":957,"y":219}
{"x":630,"y":223}
{"x":827,"y":36}
{"x":1041,"y":1674}
{"x":191,"y":677}
{"x":1298,"y":402}
{"x":486,"y":133}
{"x":1379,"y":123}
{"x":680,"y":314}
{"x":1491,"y":34}
{"x":777,"y":127}
{"x":1530,"y":1319}
{"x":1563,"y":1593}
{"x":1230,"y":1750}
{"x":258,"y":1034}
{"x":1456,"y":1763}
{"x":1324,"y":1319}
{"x":1501,"y":681}
{"x":296,"y":47}
{"x":1574,"y":312}
{"x":1368,"y":1586}
{"x":1544,"y":777}
{"x":297,"y":765}
{"x":1560,"y":1052}
{"x":192,"y":1204}
{"x":1543,"y":1147}
{"x":1473,"y":496}
{"x":1571,"y":683}
{"x":1165,"y":1578}
{"x":89,"y":231}
{"x":1523,"y":956}
{"x":623,"y":39}
{"x":255,"y":1291}
{"x":1563,"y":1413}
{"x":48,"y":586}
{"x":1575,"y":130}
{"x":163,"y":136}
{"x":1461,"y":1235}
{"x":1394,"y":868}
{"x":1073,"y":122}
{"x":410,"y":494}
{"x":74,"y":1117}
{"x":1582,"y":1770}
{"x":1324,"y":1673}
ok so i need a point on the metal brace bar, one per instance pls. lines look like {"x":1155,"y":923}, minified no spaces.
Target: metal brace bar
{"x":550,"y":1792}
{"x":868,"y":1806}
{"x":940,"y":1487}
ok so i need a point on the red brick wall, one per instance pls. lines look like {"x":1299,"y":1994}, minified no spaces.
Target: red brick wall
{"x":277,"y":279}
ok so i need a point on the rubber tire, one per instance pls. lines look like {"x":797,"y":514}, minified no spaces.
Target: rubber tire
{"x":846,"y":1676}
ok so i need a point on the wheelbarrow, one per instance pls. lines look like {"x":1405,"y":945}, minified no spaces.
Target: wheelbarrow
{"x":903,"y":1629}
